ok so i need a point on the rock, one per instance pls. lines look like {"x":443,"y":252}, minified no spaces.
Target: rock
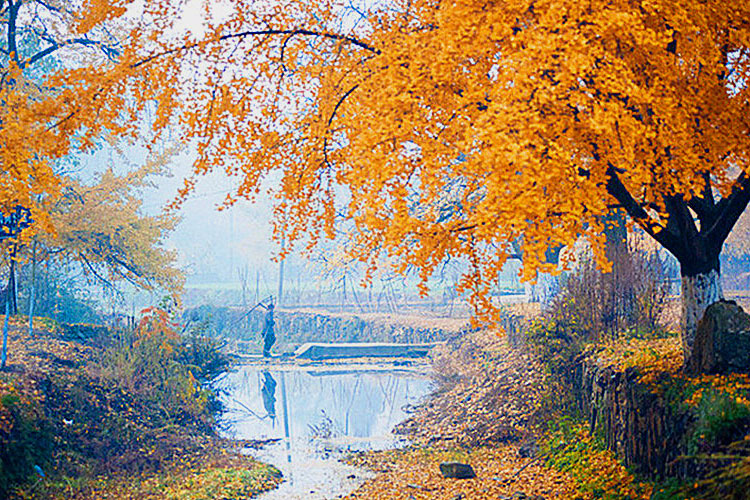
{"x":529,"y":449}
{"x":520,"y":495}
{"x":457,"y":470}
{"x":722,"y":341}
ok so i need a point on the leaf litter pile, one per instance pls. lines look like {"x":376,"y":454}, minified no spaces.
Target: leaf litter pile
{"x":488,"y":393}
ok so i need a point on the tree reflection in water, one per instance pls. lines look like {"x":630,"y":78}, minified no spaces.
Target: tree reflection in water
{"x":359,"y":407}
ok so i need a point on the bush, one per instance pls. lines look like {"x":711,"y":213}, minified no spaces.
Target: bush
{"x":25,"y":439}
{"x":628,"y":300}
{"x":146,"y":362}
{"x":202,"y":354}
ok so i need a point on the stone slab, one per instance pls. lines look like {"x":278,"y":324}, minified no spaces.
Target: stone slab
{"x":318,"y":351}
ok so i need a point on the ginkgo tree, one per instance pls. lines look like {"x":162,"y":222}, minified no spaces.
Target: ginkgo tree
{"x":449,"y":129}
{"x":102,"y":227}
{"x":64,"y":78}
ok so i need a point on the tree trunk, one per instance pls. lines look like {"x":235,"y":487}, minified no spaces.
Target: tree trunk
{"x":698,"y":292}
{"x":12,"y":285}
{"x":32,"y":291}
{"x":4,"y":353}
{"x":694,"y":231}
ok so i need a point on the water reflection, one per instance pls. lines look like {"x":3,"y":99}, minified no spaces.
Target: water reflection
{"x":268,"y":392}
{"x":321,"y":416}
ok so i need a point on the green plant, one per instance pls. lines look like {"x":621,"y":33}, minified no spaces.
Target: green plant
{"x":720,"y":421}
{"x":569,"y":447}
{"x":25,"y":441}
{"x":669,"y":489}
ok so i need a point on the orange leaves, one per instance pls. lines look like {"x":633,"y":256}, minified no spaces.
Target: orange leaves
{"x":156,"y":322}
{"x":652,"y":357}
{"x":492,"y":393}
{"x":157,"y":326}
{"x":441,"y":130}
{"x":501,"y":472}
{"x":735,"y":385}
{"x":596,"y":471}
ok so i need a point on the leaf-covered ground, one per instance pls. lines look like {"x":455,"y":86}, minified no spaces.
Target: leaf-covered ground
{"x":75,"y":423}
{"x":501,"y":472}
{"x":487,"y":393}
{"x":491,"y":411}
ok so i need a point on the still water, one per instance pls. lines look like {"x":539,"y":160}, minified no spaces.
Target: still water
{"x":318,"y":416}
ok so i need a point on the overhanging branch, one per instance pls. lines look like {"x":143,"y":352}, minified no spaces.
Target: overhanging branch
{"x":288,"y":33}
{"x":635,"y":210}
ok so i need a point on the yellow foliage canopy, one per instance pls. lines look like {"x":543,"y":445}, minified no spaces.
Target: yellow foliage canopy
{"x":441,"y":129}
{"x":449,"y":129}
{"x":102,"y":227}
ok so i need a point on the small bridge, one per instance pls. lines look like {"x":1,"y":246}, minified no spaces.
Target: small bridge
{"x":319,"y":351}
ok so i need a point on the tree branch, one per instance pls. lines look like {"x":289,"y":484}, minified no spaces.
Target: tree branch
{"x":617,"y":189}
{"x":108,"y":51}
{"x":330,"y":120}
{"x":12,"y":18}
{"x":290,"y":33}
{"x":704,"y":205}
{"x":729,"y":210}
{"x":681,"y":222}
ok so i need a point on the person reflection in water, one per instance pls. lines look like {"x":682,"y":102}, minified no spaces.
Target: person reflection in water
{"x":267,"y":334}
{"x":268,"y":392}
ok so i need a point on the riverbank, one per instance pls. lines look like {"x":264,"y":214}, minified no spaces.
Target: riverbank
{"x":493,"y":411}
{"x":85,"y":413}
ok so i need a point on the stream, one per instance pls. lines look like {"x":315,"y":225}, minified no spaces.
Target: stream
{"x":318,"y":414}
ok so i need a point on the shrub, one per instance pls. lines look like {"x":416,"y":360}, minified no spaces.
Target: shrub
{"x":147,"y":363}
{"x":202,"y":353}
{"x":629,"y":299}
{"x":25,"y":439}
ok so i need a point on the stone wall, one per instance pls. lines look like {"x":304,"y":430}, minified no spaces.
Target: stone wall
{"x":635,"y":422}
{"x":293,"y":328}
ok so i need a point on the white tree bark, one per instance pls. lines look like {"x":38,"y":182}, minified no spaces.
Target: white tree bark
{"x":698,"y":292}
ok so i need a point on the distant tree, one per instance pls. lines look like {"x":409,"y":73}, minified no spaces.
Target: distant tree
{"x":102,"y":228}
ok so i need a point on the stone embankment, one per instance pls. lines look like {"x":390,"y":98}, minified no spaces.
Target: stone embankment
{"x":635,"y":422}
{"x":296,"y":327}
{"x":653,"y":424}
